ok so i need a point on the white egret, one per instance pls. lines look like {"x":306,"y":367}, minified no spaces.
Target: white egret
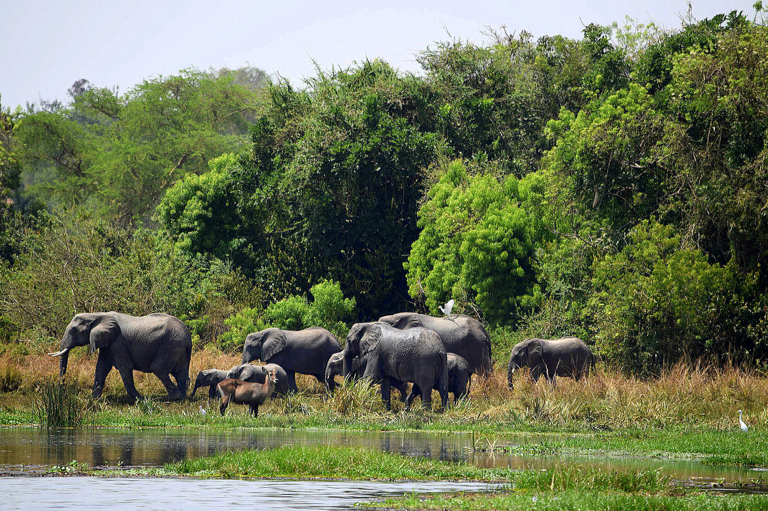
{"x":202,"y":410}
{"x":742,"y":424}
{"x":448,"y":307}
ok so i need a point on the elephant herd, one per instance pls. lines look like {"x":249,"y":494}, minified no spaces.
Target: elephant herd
{"x":431,"y":353}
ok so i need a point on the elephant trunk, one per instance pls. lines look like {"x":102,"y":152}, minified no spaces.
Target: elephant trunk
{"x":64,"y":354}
{"x":346,"y":367}
{"x":510,"y":371}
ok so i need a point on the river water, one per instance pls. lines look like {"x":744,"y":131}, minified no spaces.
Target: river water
{"x":32,"y":451}
{"x":26,"y":493}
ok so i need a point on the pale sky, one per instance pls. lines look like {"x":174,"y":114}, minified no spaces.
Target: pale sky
{"x":46,"y":45}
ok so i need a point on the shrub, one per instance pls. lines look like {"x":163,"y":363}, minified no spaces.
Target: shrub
{"x":328,"y":309}
{"x":657,"y":302}
{"x":240,"y":325}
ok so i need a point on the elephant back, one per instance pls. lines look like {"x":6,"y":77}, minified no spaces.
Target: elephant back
{"x":459,"y":333}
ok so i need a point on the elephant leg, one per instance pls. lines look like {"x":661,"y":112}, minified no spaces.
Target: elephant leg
{"x":385,"y":392}
{"x":402,"y":387}
{"x":173,"y":391}
{"x":182,"y":381}
{"x":292,"y":381}
{"x":212,"y":392}
{"x":415,"y":392}
{"x":103,"y":367}
{"x":127,"y":375}
{"x":426,"y":396}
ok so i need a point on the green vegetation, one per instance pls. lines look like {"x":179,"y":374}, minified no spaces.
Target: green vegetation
{"x":581,"y":500}
{"x":59,"y":405}
{"x":564,"y":486}
{"x":610,"y":187}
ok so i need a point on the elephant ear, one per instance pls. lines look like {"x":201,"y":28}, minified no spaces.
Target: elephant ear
{"x":275,"y":343}
{"x":535,"y":353}
{"x":104,"y":331}
{"x":414,"y":321}
{"x":370,"y":340}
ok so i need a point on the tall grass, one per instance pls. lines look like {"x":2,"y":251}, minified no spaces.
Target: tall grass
{"x":59,"y":405}
{"x":686,"y":396}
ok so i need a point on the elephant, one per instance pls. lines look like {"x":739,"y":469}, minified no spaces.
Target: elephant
{"x":335,"y":368}
{"x":305,"y":351}
{"x":209,"y":378}
{"x":414,"y":355}
{"x":459,"y":379}
{"x":157,"y":343}
{"x":567,"y":356}
{"x":258,"y":374}
{"x":462,"y":335}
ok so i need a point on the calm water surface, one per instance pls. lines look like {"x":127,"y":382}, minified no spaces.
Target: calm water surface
{"x":150,"y":493}
{"x":26,"y":450}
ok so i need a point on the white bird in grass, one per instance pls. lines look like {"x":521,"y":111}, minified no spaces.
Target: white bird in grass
{"x":448,"y":307}
{"x":202,"y":410}
{"x":742,"y":424}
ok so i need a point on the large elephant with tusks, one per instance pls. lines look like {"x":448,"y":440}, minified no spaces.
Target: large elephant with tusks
{"x":157,"y":343}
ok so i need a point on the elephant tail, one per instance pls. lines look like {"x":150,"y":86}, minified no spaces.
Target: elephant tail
{"x":487,"y":363}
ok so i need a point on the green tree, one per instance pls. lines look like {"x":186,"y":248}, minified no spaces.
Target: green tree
{"x":495,"y":100}
{"x":117,"y":154}
{"x":478,"y":242}
{"x":721,"y":97}
{"x":331,"y":190}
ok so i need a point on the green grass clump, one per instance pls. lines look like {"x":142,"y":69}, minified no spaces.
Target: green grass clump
{"x":59,"y":405}
{"x":576,"y":500}
{"x":328,"y":462}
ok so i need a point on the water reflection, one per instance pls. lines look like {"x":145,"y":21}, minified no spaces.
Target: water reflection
{"x":30,"y":449}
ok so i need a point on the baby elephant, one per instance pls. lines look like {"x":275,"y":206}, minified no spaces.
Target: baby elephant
{"x":459,"y":379}
{"x":245,"y":393}
{"x":209,"y":378}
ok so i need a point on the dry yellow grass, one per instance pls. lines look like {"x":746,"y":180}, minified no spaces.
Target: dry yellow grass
{"x":687,"y":394}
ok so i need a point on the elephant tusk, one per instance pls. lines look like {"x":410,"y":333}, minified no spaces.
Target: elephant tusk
{"x":59,"y":353}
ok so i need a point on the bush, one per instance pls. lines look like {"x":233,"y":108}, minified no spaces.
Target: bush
{"x":657,"y":302}
{"x":329,"y":309}
{"x":240,"y":325}
{"x":83,"y":265}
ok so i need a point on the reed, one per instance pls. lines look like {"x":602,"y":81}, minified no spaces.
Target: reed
{"x":59,"y":405}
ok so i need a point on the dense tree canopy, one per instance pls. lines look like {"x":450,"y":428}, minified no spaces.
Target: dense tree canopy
{"x":119,"y":153}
